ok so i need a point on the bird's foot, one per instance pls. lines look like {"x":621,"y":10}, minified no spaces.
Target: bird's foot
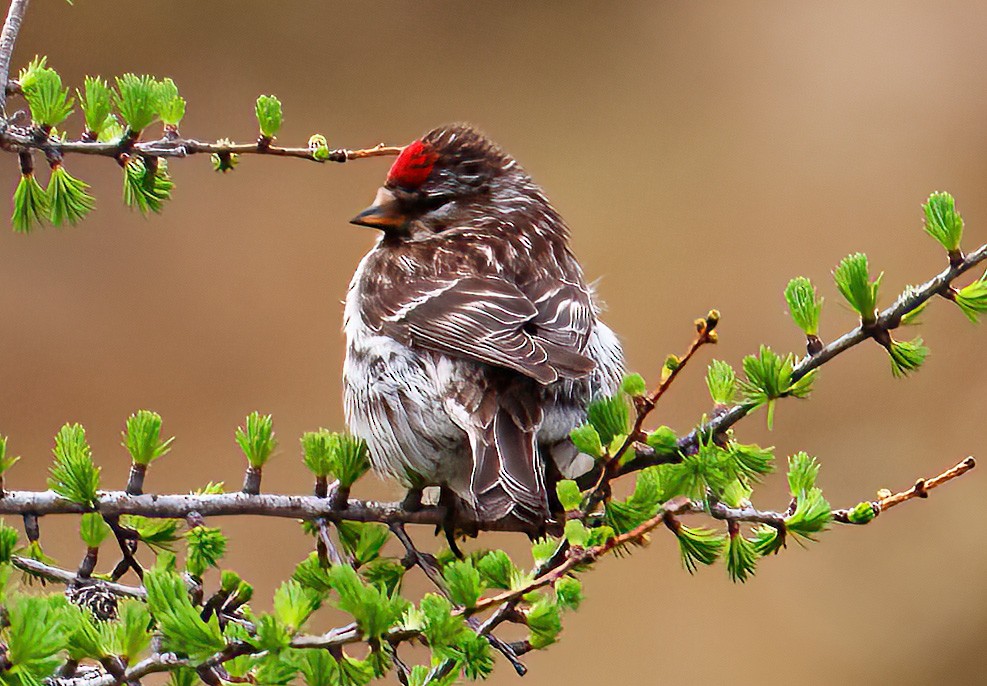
{"x":412,"y":500}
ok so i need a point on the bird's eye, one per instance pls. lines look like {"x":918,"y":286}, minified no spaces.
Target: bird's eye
{"x":433,"y":201}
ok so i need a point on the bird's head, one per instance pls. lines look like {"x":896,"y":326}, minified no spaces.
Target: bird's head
{"x":441,"y":180}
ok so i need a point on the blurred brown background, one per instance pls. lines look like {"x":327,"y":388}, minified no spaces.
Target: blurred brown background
{"x":703,"y":153}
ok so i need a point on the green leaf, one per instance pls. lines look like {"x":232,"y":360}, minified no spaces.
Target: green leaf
{"x":576,"y":533}
{"x":294,"y":604}
{"x":211,"y":488}
{"x":699,"y":545}
{"x":129,"y":636}
{"x":37,"y":633}
{"x":329,"y":454}
{"x":384,"y":573}
{"x":767,"y":541}
{"x":599,"y":535}
{"x":812,"y":514}
{"x":142,"y":438}
{"x":185,"y":676}
{"x":769,"y":377}
{"x":906,"y":356}
{"x":363,"y":541}
{"x":112,"y":132}
{"x":6,"y":461}
{"x":545,"y":623}
{"x":8,"y":541}
{"x":752,"y":461}
{"x":86,"y":639}
{"x":268,"y":110}
{"x":31,"y":204}
{"x":802,"y":473}
{"x":852,"y":278}
{"x":803,"y":305}
{"x":147,"y":185}
{"x":180,"y":624}
{"x":170,"y":107}
{"x":274,"y":670}
{"x":569,"y":593}
{"x":93,"y":529}
{"x":710,"y":468}
{"x":737,"y":493}
{"x":587,"y":440}
{"x":741,"y":558}
{"x":464,"y":582}
{"x":206,"y":546}
{"x":442,"y":629}
{"x":97,"y":104}
{"x":42,"y":87}
{"x":942,"y":221}
{"x":473,"y":657}
{"x":609,"y":416}
{"x":257,"y":440}
{"x":68,"y":199}
{"x":663,"y":441}
{"x":972,"y":299}
{"x":311,"y":574}
{"x":569,"y":494}
{"x":318,"y":667}
{"x":634,"y":385}
{"x":543,"y":549}
{"x":722,"y":382}
{"x":271,"y":635}
{"x":862,"y":513}
{"x":497,"y":569}
{"x":137,"y":98}
{"x":317,"y":451}
{"x":642,"y":505}
{"x":74,"y":476}
{"x":374,"y":610}
{"x":350,"y":459}
{"x":158,"y":533}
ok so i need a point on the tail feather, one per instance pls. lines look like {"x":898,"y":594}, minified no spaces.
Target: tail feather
{"x":508,"y":473}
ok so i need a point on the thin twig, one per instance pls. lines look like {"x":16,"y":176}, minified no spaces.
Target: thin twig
{"x":63,"y":576}
{"x":11,"y":27}
{"x":919,"y":490}
{"x":26,"y":139}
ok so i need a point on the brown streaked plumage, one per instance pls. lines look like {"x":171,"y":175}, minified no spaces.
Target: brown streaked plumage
{"x":473,"y":343}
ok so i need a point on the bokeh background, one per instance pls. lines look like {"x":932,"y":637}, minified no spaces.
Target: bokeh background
{"x":703,"y":153}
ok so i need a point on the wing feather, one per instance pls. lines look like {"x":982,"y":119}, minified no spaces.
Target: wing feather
{"x":488,"y":319}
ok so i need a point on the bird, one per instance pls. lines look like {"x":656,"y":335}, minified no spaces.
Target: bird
{"x":473,"y":341}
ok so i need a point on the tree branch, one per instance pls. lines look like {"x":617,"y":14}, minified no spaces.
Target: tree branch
{"x":888,"y":319}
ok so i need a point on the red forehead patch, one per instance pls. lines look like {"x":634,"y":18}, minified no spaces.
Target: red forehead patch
{"x":412,"y":166}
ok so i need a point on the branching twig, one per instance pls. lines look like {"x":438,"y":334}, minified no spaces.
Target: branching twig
{"x":887,"y":320}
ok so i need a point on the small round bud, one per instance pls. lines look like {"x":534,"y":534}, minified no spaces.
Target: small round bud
{"x":319,"y":147}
